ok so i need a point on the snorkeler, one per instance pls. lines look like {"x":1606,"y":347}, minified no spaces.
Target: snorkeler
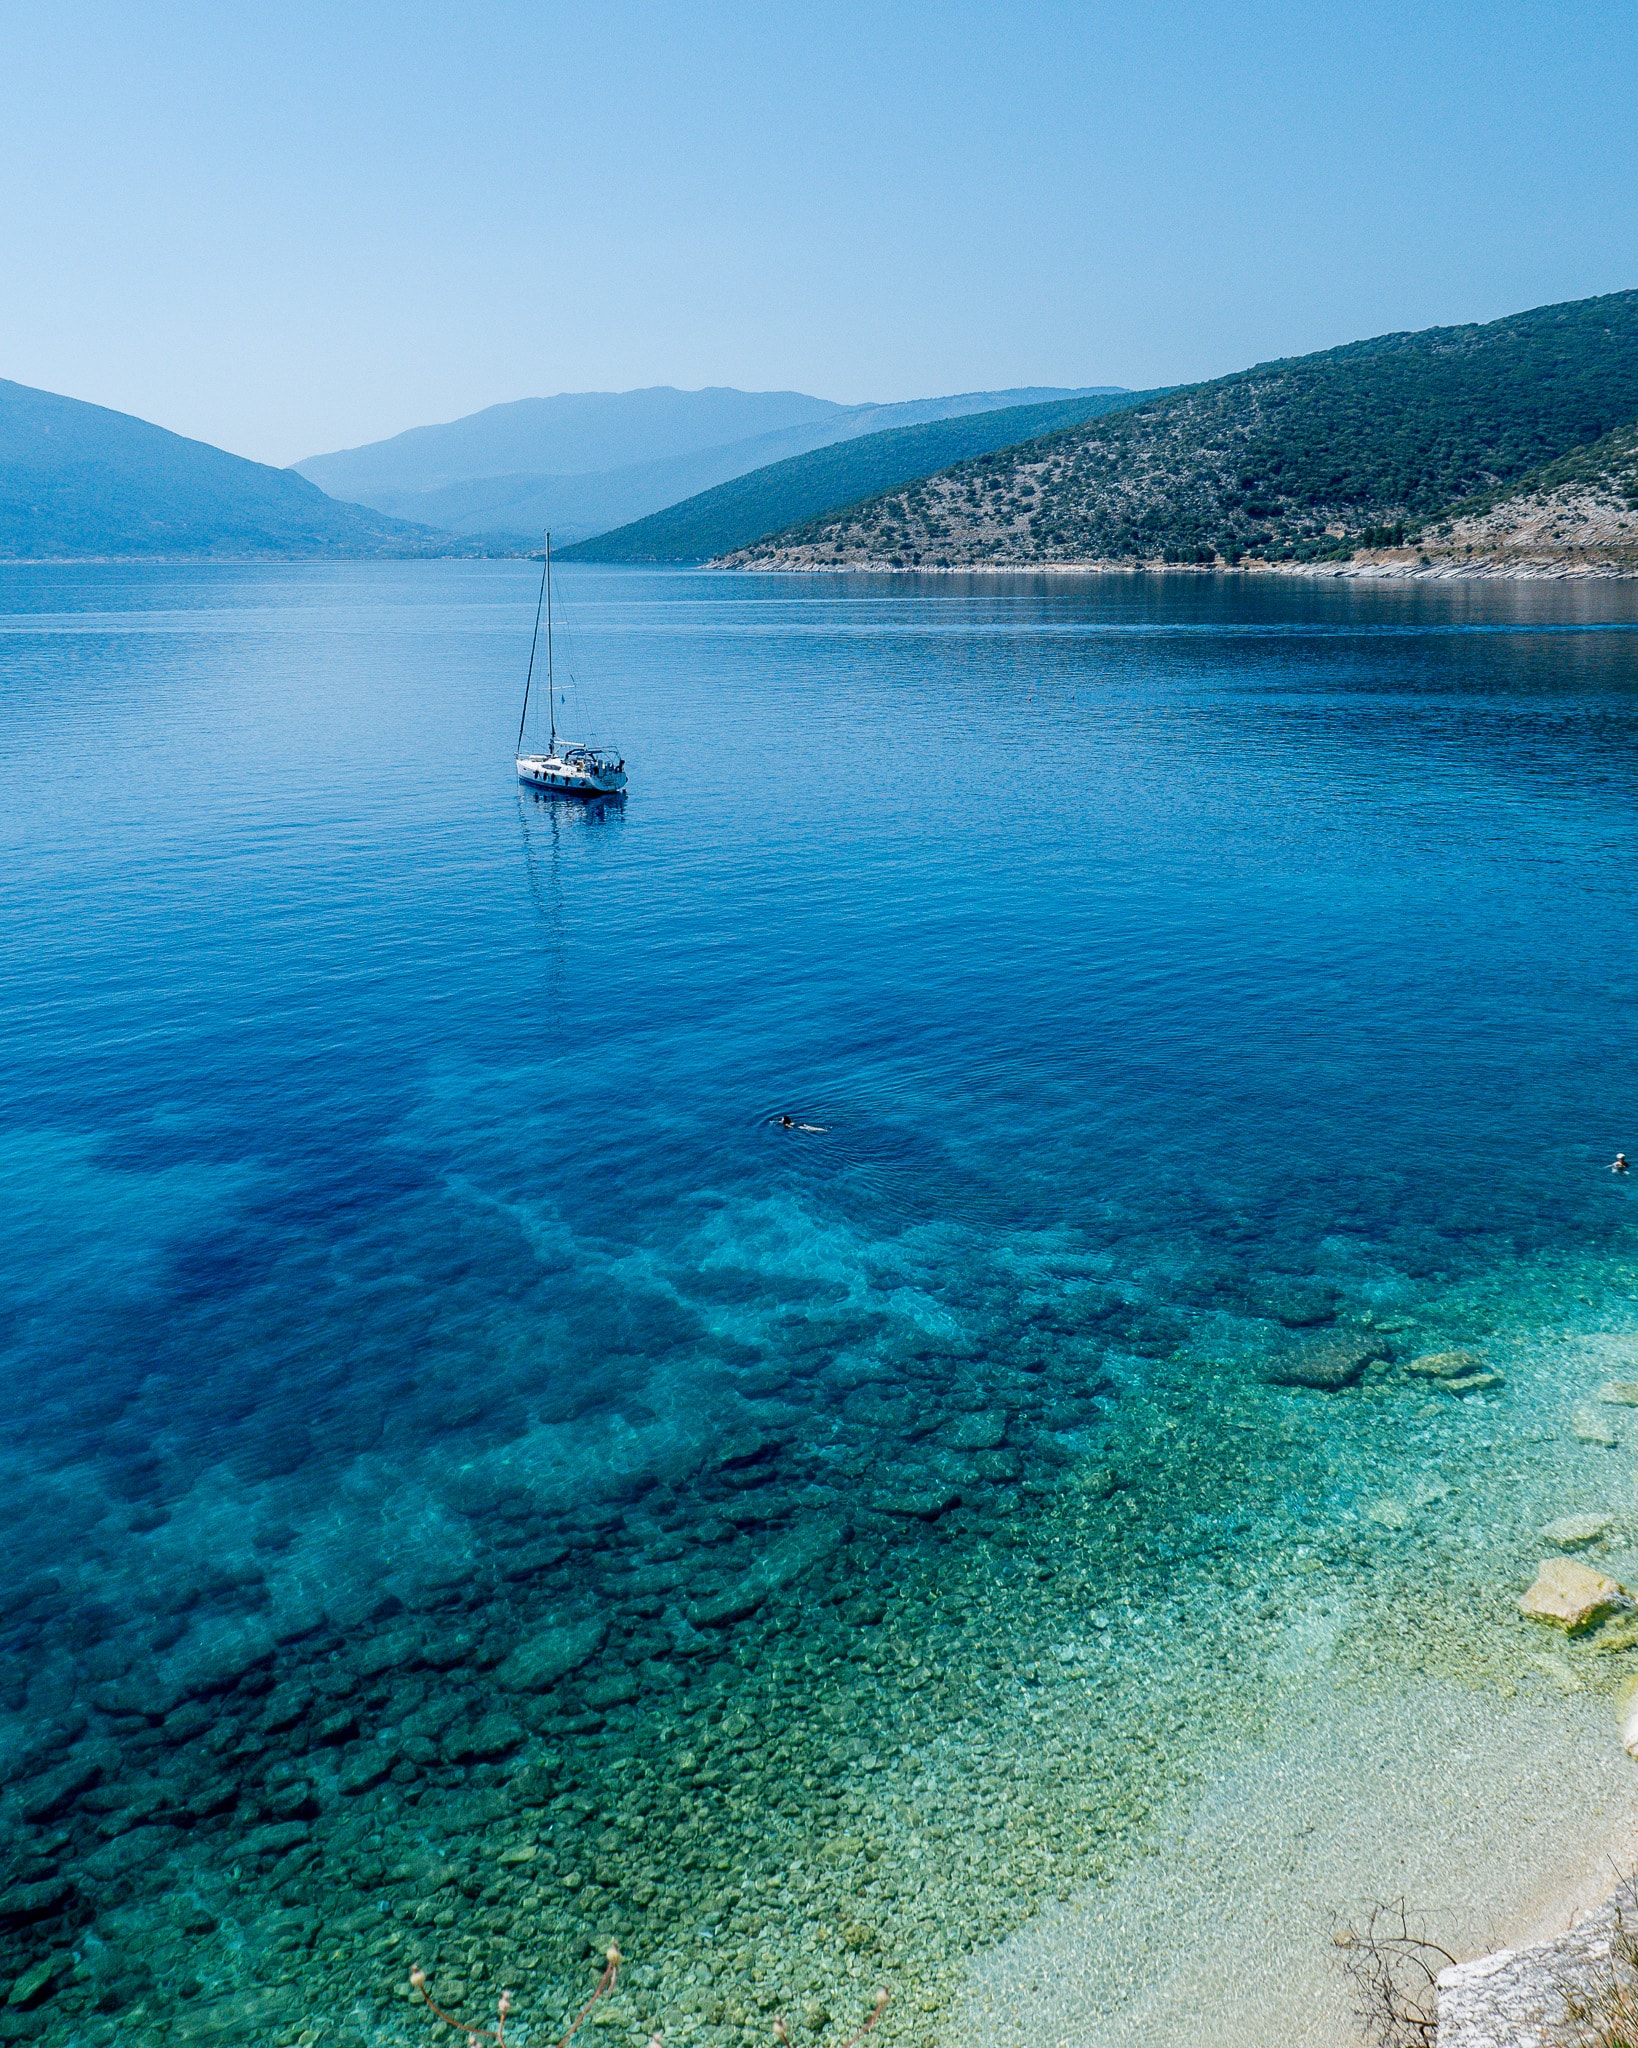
{"x":1619,"y":1164}
{"x":789,"y":1123}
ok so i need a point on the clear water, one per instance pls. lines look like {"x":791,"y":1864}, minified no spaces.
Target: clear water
{"x":397,"y":1247}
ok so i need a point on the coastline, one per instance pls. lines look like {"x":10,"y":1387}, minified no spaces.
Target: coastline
{"x":1500,"y":1823}
{"x":1502,"y":1809}
{"x":1384,"y":570}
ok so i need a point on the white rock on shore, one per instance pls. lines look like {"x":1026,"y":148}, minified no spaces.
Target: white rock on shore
{"x":1516,"y":1998}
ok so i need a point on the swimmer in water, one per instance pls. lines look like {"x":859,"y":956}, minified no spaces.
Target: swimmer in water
{"x":789,"y":1123}
{"x":1619,"y":1164}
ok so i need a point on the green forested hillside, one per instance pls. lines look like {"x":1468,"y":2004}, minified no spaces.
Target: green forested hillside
{"x":78,"y":480}
{"x":731,"y":514}
{"x":1577,"y":516}
{"x":1608,"y":466}
{"x":1292,"y":460}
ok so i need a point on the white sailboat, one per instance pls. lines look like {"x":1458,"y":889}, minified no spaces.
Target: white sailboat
{"x":567,"y":767}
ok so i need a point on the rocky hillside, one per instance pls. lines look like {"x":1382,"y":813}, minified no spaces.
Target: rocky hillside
{"x":1305,"y":460}
{"x":1575,"y":517}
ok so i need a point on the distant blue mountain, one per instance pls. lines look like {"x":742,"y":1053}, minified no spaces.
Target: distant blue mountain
{"x":745,"y":508}
{"x":585,"y":462}
{"x":81,"y":481}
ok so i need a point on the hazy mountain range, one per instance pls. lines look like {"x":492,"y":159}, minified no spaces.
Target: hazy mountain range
{"x":80,"y":481}
{"x":587,"y":461}
{"x":764,"y":500}
{"x":1499,"y":448}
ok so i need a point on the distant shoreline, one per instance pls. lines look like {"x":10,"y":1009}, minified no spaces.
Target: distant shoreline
{"x":1399,"y":568}
{"x":1374,"y":571}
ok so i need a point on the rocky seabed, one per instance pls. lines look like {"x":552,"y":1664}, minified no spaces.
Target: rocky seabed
{"x":831,"y":1704}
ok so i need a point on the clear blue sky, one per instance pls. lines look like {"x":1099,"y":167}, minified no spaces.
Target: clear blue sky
{"x":292,"y":228}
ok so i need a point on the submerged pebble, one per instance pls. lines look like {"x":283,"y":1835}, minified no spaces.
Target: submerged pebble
{"x":1571,"y":1596}
{"x":1445,"y":1365}
{"x":1574,"y":1532}
{"x":1589,"y":1427}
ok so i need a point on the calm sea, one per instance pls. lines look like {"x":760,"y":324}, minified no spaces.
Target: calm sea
{"x":405,"y":1276}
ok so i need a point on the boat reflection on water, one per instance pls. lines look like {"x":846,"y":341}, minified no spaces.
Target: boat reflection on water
{"x":598,"y":805}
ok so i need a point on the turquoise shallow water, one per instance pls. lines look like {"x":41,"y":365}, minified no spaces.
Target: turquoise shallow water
{"x":438,"y":1402}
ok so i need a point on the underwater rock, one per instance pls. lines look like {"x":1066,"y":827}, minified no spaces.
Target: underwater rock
{"x":288,"y":1929}
{"x":366,"y":1767}
{"x":1445,"y":1365}
{"x":780,"y":1564}
{"x":491,"y":1736}
{"x":749,"y":1447}
{"x":1325,"y":1363}
{"x":278,"y":1838}
{"x":22,"y":1903}
{"x":984,"y":1431}
{"x":395,"y":1650}
{"x":1470,"y":1383}
{"x":299,"y":1614}
{"x":612,"y":1692}
{"x":548,"y":1658}
{"x":1299,"y":1304}
{"x":1571,"y":1532}
{"x":1096,"y":1480}
{"x":887,"y":1417}
{"x":918,"y":1503}
{"x":1390,"y":1514}
{"x":187,"y":1724}
{"x":138,"y":1803}
{"x":145,"y":1694}
{"x":134,"y":1850}
{"x":55,"y":1793}
{"x":292,"y":1800}
{"x":1571,"y":1596}
{"x":285,"y":1706}
{"x":220,"y":1661}
{"x":594,"y":1518}
{"x":243,"y":2017}
{"x":1591,"y":1428}
{"x":1619,"y":1393}
{"x":36,"y":1984}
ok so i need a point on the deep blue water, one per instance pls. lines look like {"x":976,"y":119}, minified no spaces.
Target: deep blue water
{"x":385,"y":1150}
{"x":344,"y":1086}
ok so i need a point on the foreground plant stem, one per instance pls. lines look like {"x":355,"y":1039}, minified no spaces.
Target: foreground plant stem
{"x":418,"y":1981}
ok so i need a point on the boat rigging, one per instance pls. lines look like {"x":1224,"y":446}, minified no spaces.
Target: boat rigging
{"x":567,"y":768}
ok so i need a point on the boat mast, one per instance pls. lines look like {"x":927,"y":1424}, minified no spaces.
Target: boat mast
{"x":551,"y":686}
{"x":539,"y":601}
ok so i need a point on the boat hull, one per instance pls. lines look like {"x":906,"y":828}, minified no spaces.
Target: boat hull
{"x":554,"y":779}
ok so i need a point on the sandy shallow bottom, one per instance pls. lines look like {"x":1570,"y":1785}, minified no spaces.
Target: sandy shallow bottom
{"x":1499,"y":1820}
